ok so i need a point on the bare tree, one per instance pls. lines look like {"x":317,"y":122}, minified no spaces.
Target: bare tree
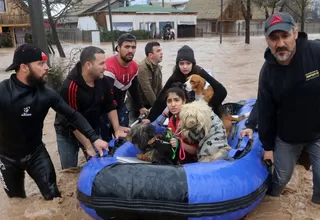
{"x":246,"y":11}
{"x":298,"y":8}
{"x":269,"y":6}
{"x":49,"y":6}
{"x":52,"y":10}
{"x":315,"y":9}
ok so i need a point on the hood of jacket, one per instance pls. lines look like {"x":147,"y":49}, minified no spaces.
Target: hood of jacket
{"x":300,"y":42}
{"x":76,"y":75}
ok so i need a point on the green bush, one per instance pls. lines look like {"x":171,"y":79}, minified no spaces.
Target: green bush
{"x":139,"y":34}
{"x":5,"y":40}
{"x":56,"y":75}
{"x":28,"y":38}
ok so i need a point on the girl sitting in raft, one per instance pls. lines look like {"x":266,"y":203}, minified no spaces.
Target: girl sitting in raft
{"x":176,"y":98}
{"x":186,"y":66}
{"x":200,"y":130}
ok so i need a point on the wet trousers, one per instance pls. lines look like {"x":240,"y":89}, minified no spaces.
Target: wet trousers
{"x":38,"y":165}
{"x":285,"y":158}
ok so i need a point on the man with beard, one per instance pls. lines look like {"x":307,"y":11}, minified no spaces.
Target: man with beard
{"x":288,"y":101}
{"x":24,"y":104}
{"x":121,"y":70}
{"x":87,"y":91}
{"x":150,"y":79}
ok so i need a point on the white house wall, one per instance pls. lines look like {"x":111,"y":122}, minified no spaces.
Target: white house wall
{"x":87,"y":23}
{"x":147,"y":18}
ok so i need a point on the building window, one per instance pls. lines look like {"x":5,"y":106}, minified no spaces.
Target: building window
{"x":123,"y":26}
{"x":3,"y":6}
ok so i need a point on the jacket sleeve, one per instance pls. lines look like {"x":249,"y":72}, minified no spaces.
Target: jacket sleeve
{"x":220,"y":92}
{"x":135,"y":93}
{"x":69,"y":97}
{"x":160,"y":104}
{"x":145,"y":84}
{"x":73,"y":117}
{"x":266,"y":112}
{"x":253,"y":118}
{"x":109,"y":103}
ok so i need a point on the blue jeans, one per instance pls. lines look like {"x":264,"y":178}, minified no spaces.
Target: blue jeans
{"x":285,"y":158}
{"x":106,"y":126}
{"x":68,"y":148}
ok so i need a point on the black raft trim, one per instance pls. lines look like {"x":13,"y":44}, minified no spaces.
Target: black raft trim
{"x":174,"y":208}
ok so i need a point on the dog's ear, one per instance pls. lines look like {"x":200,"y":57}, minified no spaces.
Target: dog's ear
{"x":201,"y":82}
{"x":141,"y":134}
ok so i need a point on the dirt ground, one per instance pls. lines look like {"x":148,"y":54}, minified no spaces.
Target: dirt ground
{"x":237,"y":67}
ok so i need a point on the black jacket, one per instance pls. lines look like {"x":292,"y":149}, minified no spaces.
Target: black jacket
{"x":91,"y":102}
{"x":220,"y":92}
{"x":22,"y":111}
{"x":252,"y":121}
{"x":289,"y":96}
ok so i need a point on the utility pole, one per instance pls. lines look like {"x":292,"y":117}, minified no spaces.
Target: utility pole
{"x":162,"y":3}
{"x":221,"y":11}
{"x":37,"y":24}
{"x":111,"y":26}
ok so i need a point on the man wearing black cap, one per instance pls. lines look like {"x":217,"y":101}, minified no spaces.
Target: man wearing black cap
{"x":24,"y":104}
{"x":122,"y":72}
{"x":288,"y":101}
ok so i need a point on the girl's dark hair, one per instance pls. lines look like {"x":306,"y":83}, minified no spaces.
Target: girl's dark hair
{"x":177,"y":88}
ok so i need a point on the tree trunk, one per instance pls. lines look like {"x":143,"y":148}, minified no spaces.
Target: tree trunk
{"x":303,"y":18}
{"x":274,"y":6}
{"x":54,"y":30}
{"x":247,"y":18}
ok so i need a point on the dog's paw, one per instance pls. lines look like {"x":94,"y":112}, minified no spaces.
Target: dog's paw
{"x":143,"y":157}
{"x":205,"y":159}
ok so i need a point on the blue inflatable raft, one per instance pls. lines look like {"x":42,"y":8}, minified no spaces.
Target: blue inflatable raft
{"x":224,"y":189}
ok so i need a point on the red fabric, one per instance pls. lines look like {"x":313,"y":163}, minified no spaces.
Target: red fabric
{"x":72,"y":95}
{"x":174,"y":129}
{"x":123,"y":76}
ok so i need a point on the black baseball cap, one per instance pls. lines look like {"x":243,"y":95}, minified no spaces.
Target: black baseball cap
{"x":26,"y":53}
{"x":279,"y":21}
{"x":123,"y":38}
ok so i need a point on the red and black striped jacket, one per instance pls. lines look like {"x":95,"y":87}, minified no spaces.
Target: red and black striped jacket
{"x":91,"y":102}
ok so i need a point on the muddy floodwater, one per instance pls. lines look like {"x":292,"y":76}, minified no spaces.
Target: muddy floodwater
{"x":236,"y":65}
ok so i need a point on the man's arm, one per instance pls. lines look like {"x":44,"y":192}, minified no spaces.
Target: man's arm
{"x":145,"y":84}
{"x":69,"y":99}
{"x":266,"y":112}
{"x":72,"y":116}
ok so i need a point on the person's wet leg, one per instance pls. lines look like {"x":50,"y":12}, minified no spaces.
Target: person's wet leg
{"x":314,"y":155}
{"x":41,"y":170}
{"x":12,"y":177}
{"x":285,"y":158}
{"x":68,"y":151}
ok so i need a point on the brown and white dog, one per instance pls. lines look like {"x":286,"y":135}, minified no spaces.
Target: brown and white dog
{"x":203,"y":91}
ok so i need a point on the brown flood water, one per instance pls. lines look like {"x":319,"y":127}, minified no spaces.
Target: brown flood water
{"x":234,"y":64}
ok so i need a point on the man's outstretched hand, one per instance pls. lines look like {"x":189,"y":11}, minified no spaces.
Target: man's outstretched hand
{"x":246,"y":132}
{"x":100,"y":145}
{"x":121,"y":132}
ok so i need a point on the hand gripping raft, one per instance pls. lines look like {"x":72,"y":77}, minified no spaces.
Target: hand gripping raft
{"x":224,"y":189}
